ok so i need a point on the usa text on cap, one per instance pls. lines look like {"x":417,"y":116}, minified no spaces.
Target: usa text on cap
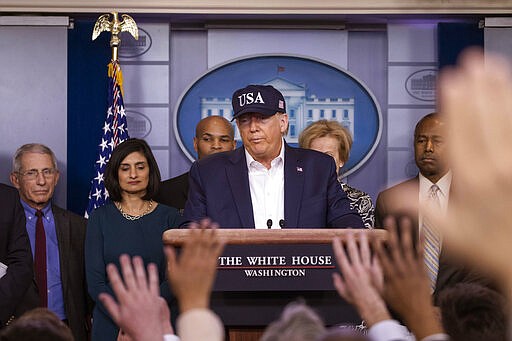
{"x":262,"y":99}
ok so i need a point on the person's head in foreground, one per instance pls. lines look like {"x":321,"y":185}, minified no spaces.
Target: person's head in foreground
{"x":297,"y":322}
{"x":471,"y":312}
{"x":38,"y":324}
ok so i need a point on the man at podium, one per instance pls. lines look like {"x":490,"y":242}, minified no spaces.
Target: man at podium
{"x":266,"y":183}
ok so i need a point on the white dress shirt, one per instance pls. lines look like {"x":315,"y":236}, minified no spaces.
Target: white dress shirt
{"x":267,"y":190}
{"x":443,"y":194}
{"x":391,"y":330}
{"x":200,"y":324}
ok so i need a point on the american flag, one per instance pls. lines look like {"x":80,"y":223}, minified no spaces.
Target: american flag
{"x":115,"y":131}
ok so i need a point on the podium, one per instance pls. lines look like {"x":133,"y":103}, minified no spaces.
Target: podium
{"x":260,"y":271}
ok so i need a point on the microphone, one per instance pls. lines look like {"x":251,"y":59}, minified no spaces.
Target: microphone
{"x":281,"y":223}
{"x":269,"y":223}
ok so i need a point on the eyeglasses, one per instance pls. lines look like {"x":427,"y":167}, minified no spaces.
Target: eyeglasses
{"x":32,"y":174}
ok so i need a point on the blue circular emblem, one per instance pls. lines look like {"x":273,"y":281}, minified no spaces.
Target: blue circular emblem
{"x":313,"y":90}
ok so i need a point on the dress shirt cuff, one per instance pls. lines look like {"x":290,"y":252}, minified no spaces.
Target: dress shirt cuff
{"x":437,"y":337}
{"x":389,"y":330}
{"x":200,"y":324}
{"x":171,"y":337}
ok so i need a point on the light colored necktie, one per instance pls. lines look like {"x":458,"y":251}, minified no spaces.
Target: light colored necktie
{"x":432,"y":239}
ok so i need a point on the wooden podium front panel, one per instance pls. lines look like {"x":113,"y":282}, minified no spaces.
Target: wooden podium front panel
{"x":248,"y":303}
{"x":258,"y":309}
{"x":243,"y":299}
{"x":287,"y":267}
{"x":244,"y":334}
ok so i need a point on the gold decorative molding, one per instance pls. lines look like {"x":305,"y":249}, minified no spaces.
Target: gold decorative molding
{"x":262,"y":6}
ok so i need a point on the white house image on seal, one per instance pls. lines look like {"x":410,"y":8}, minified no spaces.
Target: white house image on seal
{"x":302,"y":110}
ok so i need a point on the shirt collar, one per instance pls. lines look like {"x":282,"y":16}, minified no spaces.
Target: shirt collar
{"x":443,"y":183}
{"x":251,"y":162}
{"x":32,"y":211}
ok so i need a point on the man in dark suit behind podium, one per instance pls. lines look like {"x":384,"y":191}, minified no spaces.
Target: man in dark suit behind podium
{"x":16,"y":270}
{"x":35,"y":175}
{"x":214,"y":134}
{"x":403,"y":199}
{"x":266,"y":183}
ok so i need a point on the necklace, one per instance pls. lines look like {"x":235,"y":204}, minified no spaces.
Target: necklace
{"x":134,"y":217}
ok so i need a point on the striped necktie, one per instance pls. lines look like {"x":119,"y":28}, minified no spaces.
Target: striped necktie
{"x":432,"y":239}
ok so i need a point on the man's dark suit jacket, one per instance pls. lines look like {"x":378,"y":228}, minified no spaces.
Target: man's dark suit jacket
{"x":313,"y":198}
{"x":70,"y":229}
{"x":174,"y":192}
{"x":14,"y":252}
{"x":403,"y":200}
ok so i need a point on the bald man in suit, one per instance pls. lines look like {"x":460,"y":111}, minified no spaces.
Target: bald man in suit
{"x":403,"y":199}
{"x":214,"y":134}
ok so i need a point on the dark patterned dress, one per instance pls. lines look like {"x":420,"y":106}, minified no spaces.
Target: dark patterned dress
{"x":362,"y":203}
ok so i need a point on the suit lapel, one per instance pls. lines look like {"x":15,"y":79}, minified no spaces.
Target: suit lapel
{"x":62,"y":229}
{"x":238,"y":179}
{"x":293,"y":186}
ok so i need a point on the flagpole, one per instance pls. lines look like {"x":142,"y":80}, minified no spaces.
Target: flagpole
{"x":115,"y":129}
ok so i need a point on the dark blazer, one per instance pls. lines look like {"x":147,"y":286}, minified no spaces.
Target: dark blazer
{"x":70,"y":229}
{"x":174,"y":192}
{"x":14,"y":252}
{"x":219,"y":189}
{"x":403,"y":200}
{"x":399,"y":200}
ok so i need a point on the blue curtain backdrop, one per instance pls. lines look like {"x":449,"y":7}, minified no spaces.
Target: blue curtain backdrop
{"x":452,"y":38}
{"x":87,"y":106}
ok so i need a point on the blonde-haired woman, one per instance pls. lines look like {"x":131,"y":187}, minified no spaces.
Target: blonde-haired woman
{"x":331,"y":138}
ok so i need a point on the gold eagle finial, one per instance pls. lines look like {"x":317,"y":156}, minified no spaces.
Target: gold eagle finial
{"x":115,"y":27}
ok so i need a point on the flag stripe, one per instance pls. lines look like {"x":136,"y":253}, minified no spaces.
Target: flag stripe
{"x":115,"y":131}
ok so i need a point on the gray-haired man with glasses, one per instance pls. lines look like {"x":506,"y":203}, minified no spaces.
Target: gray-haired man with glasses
{"x":56,"y":239}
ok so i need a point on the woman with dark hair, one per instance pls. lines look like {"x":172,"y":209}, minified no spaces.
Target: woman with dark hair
{"x":333,"y":139}
{"x":132,"y":223}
